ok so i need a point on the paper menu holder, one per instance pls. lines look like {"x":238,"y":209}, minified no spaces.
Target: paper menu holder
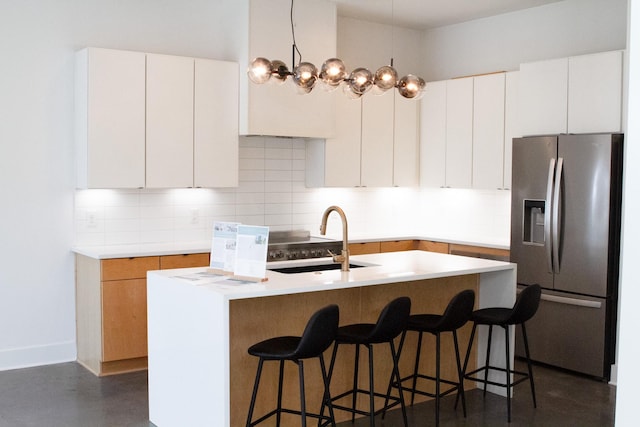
{"x":239,"y":251}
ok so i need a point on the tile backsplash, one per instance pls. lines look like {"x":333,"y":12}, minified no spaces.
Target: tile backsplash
{"x":272,"y":192}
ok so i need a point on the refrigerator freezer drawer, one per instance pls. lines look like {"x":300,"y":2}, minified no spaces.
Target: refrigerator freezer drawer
{"x":569,"y":332}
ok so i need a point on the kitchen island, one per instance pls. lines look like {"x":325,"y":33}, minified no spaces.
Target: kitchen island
{"x":199,"y":332}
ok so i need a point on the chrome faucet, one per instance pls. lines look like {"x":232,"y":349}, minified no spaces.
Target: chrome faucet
{"x":343,"y":258}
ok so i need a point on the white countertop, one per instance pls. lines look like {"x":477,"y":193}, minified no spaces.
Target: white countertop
{"x":155,"y":249}
{"x":378,"y":269}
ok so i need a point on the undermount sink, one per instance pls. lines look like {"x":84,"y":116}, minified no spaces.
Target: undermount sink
{"x":312,"y":268}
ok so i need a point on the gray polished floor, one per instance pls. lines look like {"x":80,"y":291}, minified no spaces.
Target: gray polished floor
{"x":66,"y":395}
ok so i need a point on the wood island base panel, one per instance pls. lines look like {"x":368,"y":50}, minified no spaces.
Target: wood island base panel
{"x":201,"y":374}
{"x":256,"y":319}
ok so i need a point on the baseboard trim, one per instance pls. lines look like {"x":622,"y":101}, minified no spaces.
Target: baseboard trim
{"x":25,"y":357}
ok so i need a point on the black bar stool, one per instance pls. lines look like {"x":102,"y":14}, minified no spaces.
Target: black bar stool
{"x":524,"y":309}
{"x":457,"y":313}
{"x":316,"y":338}
{"x":391,"y":322}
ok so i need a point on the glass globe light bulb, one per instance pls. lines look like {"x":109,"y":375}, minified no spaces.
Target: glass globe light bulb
{"x":260,"y":70}
{"x":305,"y":75}
{"x":385,"y":78}
{"x":280,"y":71}
{"x":332,"y":72}
{"x":360,"y":80}
{"x":411,"y":86}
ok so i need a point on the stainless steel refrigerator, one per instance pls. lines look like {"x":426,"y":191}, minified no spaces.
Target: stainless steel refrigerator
{"x":565,"y":236}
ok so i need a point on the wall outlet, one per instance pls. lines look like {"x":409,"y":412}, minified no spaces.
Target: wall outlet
{"x":91,"y":219}
{"x":195,"y":216}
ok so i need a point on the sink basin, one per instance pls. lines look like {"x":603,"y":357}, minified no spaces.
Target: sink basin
{"x":312,"y":268}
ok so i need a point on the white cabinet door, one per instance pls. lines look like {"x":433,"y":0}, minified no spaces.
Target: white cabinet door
{"x":595,"y":93}
{"x":271,"y":109}
{"x":459,"y":132}
{"x":543,"y":97}
{"x":169,"y":121}
{"x":341,"y":156}
{"x":488,"y":131}
{"x":510,"y":123}
{"x":406,"y":128}
{"x":377,"y":140}
{"x":215,"y":139}
{"x":433,"y":134}
{"x":110,"y":110}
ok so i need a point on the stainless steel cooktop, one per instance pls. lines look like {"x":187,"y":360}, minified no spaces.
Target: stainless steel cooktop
{"x":299,"y":244}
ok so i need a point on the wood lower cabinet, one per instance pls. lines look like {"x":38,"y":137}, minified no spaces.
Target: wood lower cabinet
{"x":430,"y":246}
{"x":124,"y":319}
{"x":397,"y":245}
{"x":111,"y":309}
{"x":479,"y":252}
{"x":364,"y":248}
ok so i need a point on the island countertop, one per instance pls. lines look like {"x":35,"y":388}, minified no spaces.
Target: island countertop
{"x":199,"y":370}
{"x":376,"y":269}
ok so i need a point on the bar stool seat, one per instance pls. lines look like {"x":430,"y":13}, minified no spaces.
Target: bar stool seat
{"x":525,"y":308}
{"x":318,"y":335}
{"x":456,"y":315}
{"x":390,"y":324}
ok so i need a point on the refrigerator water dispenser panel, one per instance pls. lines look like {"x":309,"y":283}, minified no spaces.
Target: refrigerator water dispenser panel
{"x":533,"y":227}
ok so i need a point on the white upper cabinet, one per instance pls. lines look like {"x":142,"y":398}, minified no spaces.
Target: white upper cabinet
{"x":463,"y":140}
{"x":433,"y":134}
{"x":406,"y":140}
{"x":169,"y":121}
{"x":110,"y":118}
{"x":271,"y":109}
{"x":375,"y":145}
{"x":595,"y":93}
{"x":376,"y":166}
{"x":543,"y":97}
{"x":215,"y":138}
{"x":459,"y":131}
{"x":488,"y":131}
{"x":341,"y":156}
{"x":580,"y":94}
{"x":155,"y":121}
{"x":510,"y":123}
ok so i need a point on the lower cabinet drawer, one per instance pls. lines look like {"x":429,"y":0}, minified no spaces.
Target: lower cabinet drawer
{"x":184,"y":261}
{"x":128,"y":268}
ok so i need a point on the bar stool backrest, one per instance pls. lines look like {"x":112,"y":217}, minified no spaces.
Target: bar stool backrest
{"x":319,"y":333}
{"x":526,"y":305}
{"x":392,"y":321}
{"x":458,"y":312}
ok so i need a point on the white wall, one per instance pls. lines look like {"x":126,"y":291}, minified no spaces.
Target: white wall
{"x":629,"y":315}
{"x":37,"y":40}
{"x":501,"y":43}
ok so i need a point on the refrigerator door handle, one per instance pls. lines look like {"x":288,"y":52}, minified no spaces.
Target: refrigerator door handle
{"x":571,"y":301}
{"x":547,"y":215}
{"x":555,"y":222}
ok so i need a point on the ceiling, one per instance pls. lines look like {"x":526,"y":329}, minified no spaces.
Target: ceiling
{"x":425,"y":14}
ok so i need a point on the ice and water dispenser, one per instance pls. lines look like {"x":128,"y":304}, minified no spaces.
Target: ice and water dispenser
{"x":533,"y":227}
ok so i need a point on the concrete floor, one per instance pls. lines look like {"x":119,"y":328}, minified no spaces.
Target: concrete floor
{"x":67,"y":395}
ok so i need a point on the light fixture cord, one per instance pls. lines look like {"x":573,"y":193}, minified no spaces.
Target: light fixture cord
{"x":392,"y":31}
{"x":294,"y":48}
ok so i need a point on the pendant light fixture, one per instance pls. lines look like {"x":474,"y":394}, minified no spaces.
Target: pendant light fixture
{"x":333,"y":74}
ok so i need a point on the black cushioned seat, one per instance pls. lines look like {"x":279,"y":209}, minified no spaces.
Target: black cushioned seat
{"x":525,"y":308}
{"x":318,"y":335}
{"x":390,"y":324}
{"x":456,"y":314}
